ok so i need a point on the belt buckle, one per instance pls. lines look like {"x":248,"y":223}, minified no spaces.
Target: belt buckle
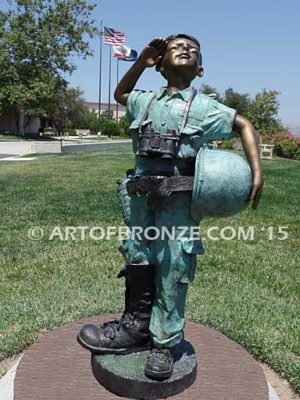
{"x":144,"y":186}
{"x":157,"y":179}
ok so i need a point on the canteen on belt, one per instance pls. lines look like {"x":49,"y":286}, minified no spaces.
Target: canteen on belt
{"x":222,"y":184}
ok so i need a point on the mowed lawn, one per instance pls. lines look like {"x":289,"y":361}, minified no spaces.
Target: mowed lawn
{"x":247,"y":289}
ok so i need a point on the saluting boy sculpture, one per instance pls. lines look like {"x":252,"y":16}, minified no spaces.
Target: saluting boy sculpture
{"x":169,"y":128}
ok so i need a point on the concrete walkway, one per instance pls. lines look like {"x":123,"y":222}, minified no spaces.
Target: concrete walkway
{"x":17,"y":158}
{"x":76,"y":148}
{"x":9,"y":149}
{"x":2,"y":156}
{"x":7,"y":382}
{"x":23,"y":148}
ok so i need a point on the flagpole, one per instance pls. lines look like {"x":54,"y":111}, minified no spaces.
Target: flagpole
{"x":109,"y":84}
{"x":117,"y":104}
{"x":100,"y":78}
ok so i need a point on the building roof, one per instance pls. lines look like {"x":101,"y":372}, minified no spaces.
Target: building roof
{"x":104,"y":106}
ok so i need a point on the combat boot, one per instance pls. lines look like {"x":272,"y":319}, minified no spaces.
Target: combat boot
{"x":159,"y":364}
{"x":131,"y":333}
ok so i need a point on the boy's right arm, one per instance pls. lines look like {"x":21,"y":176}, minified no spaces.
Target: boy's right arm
{"x":149,"y":57}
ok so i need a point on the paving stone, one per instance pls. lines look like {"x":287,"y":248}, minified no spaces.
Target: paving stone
{"x":56,"y":367}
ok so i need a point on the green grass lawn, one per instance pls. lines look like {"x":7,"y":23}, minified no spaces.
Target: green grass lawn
{"x":249,"y":290}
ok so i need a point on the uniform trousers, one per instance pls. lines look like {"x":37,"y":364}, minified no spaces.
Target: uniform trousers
{"x":172,"y":247}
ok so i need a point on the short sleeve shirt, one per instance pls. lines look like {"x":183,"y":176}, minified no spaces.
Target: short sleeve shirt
{"x":207,"y":119}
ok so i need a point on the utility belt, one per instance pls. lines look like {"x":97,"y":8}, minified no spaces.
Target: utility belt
{"x":156,"y":188}
{"x":159,"y":186}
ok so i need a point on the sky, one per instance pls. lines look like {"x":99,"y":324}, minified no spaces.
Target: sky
{"x":246,"y":45}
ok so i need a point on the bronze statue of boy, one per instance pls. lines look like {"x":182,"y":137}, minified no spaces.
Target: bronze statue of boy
{"x":169,"y":127}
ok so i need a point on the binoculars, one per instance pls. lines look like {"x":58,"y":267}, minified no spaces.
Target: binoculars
{"x":153,"y":144}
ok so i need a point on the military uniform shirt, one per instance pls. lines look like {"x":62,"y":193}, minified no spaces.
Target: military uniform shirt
{"x":207,"y":119}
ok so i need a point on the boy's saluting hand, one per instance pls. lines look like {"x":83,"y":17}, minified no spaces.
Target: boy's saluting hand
{"x":153,"y":52}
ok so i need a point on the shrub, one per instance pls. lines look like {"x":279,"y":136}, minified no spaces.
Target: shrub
{"x":90,"y":122}
{"x":286,"y":145}
{"x":124,"y":127}
{"x":71,"y":132}
{"x":110,"y":128}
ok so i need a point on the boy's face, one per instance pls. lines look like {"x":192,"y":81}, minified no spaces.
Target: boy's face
{"x":182,"y":52}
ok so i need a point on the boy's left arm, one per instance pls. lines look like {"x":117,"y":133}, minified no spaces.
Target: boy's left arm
{"x":248,"y":137}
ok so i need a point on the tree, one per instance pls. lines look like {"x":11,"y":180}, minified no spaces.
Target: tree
{"x":107,"y":115}
{"x":209,"y":90}
{"x":68,"y":110}
{"x":263,"y":112}
{"x":240,"y":102}
{"x":124,"y":126}
{"x":91,"y":121}
{"x":37,"y":40}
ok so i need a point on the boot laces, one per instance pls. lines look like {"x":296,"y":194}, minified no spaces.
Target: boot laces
{"x":126,"y":319}
{"x":112,"y":327}
{"x":159,"y":353}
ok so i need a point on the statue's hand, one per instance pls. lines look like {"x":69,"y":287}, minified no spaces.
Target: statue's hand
{"x":256,"y":189}
{"x":152,"y":53}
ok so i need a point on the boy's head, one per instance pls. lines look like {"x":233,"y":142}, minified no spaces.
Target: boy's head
{"x":182,"y":56}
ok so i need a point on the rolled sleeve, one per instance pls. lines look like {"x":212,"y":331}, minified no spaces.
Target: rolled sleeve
{"x":219,"y":121}
{"x":135,"y":102}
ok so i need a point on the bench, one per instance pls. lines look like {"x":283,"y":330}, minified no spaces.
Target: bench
{"x":266,"y":151}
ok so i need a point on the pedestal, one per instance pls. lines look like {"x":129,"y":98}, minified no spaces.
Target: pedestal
{"x":124,"y":374}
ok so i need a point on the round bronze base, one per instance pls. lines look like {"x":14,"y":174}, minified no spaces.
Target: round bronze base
{"x":124,"y":374}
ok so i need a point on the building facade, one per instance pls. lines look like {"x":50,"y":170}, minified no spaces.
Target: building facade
{"x":8,"y":124}
{"x":32,"y":125}
{"x":117,"y":110}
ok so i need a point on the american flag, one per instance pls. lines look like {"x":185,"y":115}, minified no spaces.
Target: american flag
{"x":113,"y":37}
